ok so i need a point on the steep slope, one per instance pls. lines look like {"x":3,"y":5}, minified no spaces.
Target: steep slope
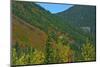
{"x":25,"y":34}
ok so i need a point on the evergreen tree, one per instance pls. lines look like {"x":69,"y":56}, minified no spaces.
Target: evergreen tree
{"x":50,"y":52}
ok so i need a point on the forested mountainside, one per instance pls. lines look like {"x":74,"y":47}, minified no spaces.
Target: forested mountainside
{"x":40,"y":37}
{"x":80,"y":16}
{"x":83,"y":17}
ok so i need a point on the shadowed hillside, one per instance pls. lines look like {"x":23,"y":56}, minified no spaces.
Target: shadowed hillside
{"x":86,"y":16}
{"x":81,"y":17}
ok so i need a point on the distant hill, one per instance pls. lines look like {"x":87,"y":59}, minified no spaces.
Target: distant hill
{"x":80,"y":16}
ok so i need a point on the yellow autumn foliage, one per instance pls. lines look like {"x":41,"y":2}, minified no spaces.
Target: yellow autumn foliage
{"x":88,"y":52}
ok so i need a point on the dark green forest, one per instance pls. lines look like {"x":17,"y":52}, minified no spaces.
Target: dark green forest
{"x":40,"y":37}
